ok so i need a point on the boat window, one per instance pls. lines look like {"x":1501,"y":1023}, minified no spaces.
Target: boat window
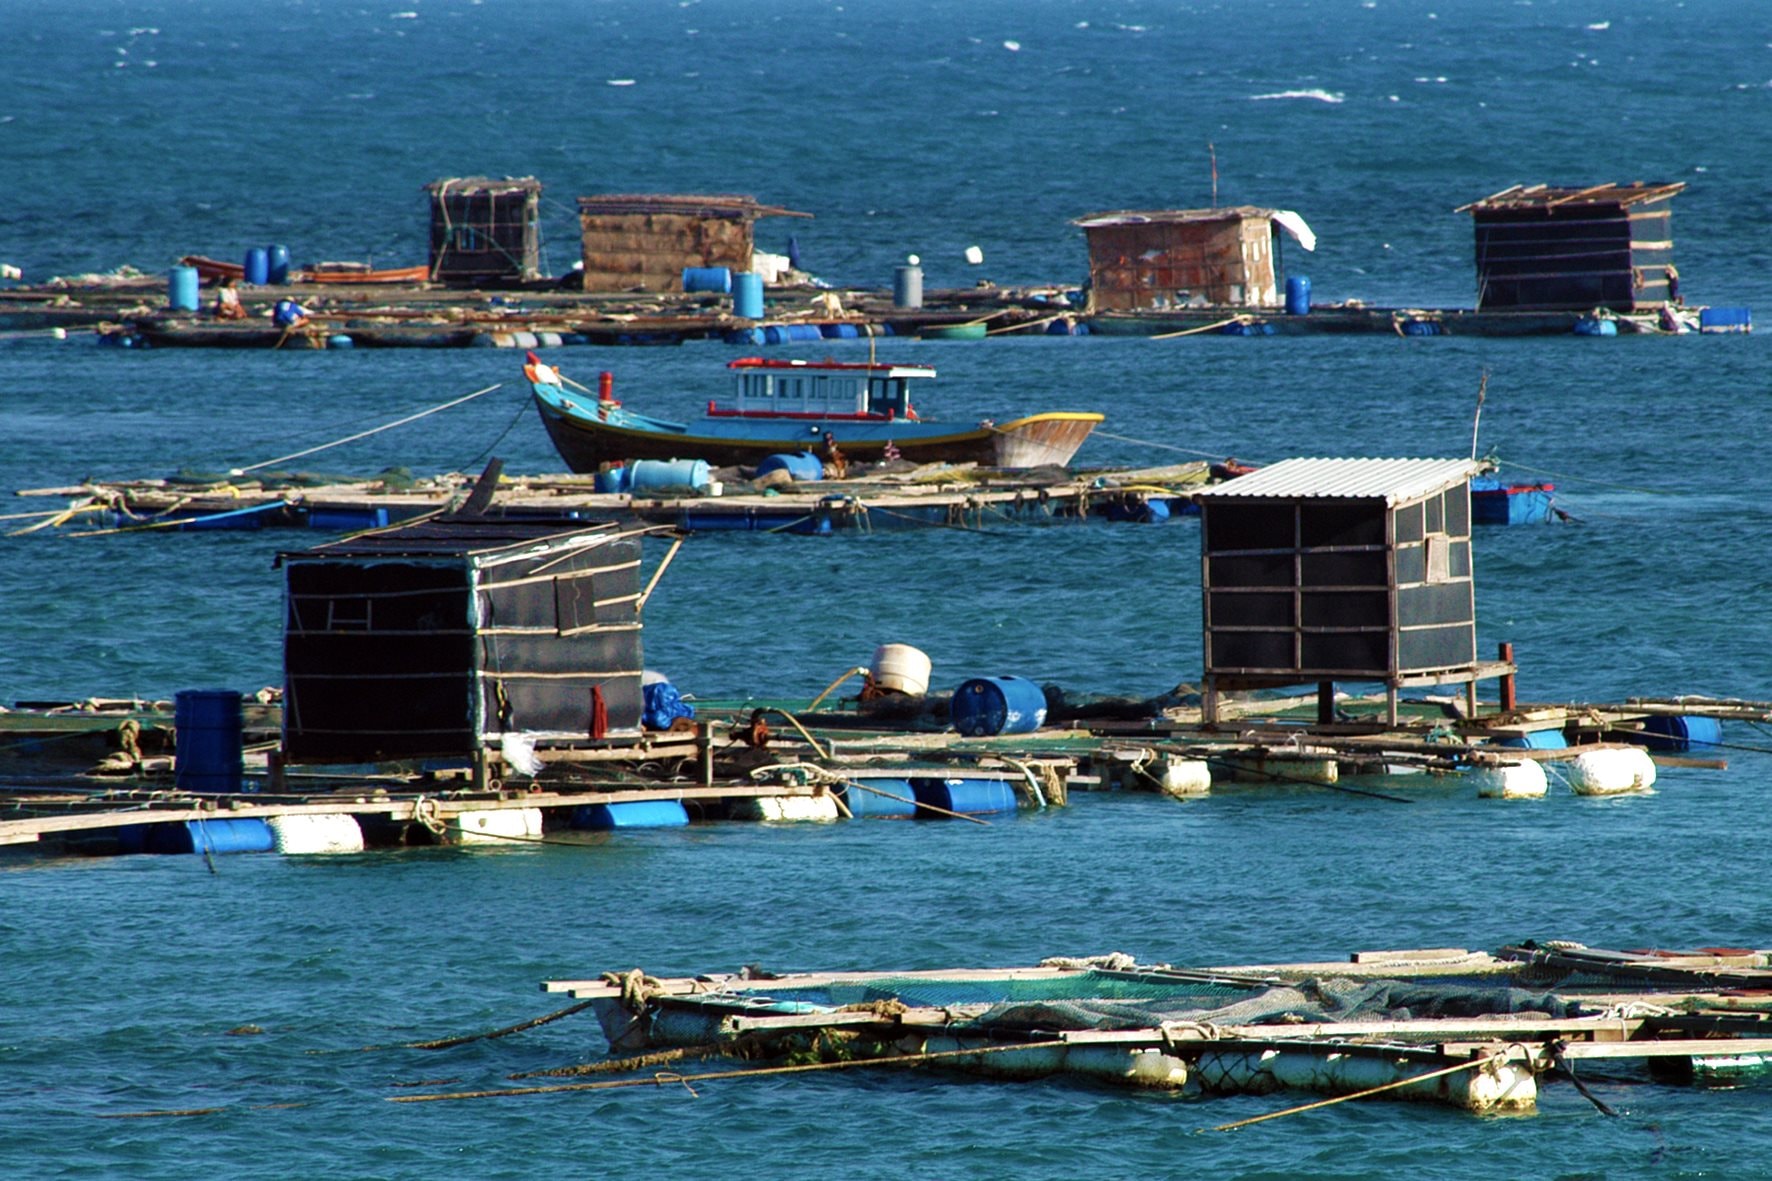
{"x":886,"y":396}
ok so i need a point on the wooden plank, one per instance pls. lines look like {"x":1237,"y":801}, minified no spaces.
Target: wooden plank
{"x":1698,"y":1047}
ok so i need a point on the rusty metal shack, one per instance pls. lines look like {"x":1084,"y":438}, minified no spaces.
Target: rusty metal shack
{"x":644,"y":242}
{"x":438,"y":638}
{"x":1177,"y":258}
{"x":1574,"y":249}
{"x":1325,"y":570}
{"x":485,"y":231}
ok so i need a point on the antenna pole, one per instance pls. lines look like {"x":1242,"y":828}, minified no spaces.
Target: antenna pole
{"x":1212,"y":151}
{"x":1477,"y":419}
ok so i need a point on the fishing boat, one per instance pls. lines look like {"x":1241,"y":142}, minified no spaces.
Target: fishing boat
{"x":784,"y":406}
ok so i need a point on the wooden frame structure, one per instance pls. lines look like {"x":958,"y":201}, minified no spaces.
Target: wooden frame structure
{"x":1161,"y":259}
{"x":436,"y":639}
{"x":1540,"y":248}
{"x":1325,"y":570}
{"x":485,"y":231}
{"x":644,"y":242}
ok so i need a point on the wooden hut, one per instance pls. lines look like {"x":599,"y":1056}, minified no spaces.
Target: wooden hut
{"x":437,"y":638}
{"x":1161,"y":259}
{"x":1566,"y":249}
{"x":644,"y":242}
{"x":485,"y":231}
{"x":1325,"y":570}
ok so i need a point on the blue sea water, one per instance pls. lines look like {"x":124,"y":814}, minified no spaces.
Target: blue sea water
{"x":134,"y":132}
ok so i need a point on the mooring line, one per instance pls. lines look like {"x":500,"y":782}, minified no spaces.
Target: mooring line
{"x":1432,"y":1074}
{"x":365,"y":434}
{"x":671,"y":1078}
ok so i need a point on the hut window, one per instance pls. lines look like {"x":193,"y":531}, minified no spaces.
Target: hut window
{"x":348,"y":615}
{"x":1439,"y":560}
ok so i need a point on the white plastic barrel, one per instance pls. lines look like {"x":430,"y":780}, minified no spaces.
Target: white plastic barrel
{"x":1611,"y":771}
{"x":1516,"y":779}
{"x":302,"y":833}
{"x":900,"y":668}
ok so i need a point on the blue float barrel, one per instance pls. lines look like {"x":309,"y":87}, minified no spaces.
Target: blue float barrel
{"x":838,"y":331}
{"x":207,"y":730}
{"x":1298,"y":295}
{"x":747,"y":295}
{"x":886,"y":799}
{"x":998,"y":705}
{"x":801,"y":465}
{"x":968,"y":797}
{"x":611,"y":479}
{"x":1674,"y":733}
{"x":647,"y":474}
{"x":277,"y":264}
{"x":632,"y":814}
{"x":181,"y":289}
{"x":258,"y":266}
{"x":718,"y":279}
{"x":907,"y":286}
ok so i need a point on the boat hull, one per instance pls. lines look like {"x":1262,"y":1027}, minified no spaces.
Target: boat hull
{"x":589,"y":435}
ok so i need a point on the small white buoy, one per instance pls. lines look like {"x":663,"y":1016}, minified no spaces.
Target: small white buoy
{"x":58,"y":333}
{"x":8,"y":271}
{"x":1516,"y":779}
{"x":1611,"y":771}
{"x":974,"y":255}
{"x":912,"y":259}
{"x":1184,"y":777}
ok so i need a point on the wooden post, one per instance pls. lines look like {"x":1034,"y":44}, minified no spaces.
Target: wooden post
{"x":1325,"y":702}
{"x":1390,"y":705}
{"x":704,"y":738}
{"x":274,"y":772}
{"x":1507,"y":679}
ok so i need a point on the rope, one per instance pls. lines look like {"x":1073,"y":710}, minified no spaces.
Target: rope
{"x":1432,"y":1074}
{"x":665,"y":1079}
{"x":1237,"y":319}
{"x":1101,"y":434}
{"x":373,"y":431}
{"x":450,"y":1042}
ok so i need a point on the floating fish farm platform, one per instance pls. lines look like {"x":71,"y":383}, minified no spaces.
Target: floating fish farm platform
{"x":938,"y":495}
{"x":1478,"y":1031}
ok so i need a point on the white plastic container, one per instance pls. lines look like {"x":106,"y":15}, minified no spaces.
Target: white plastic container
{"x":302,"y":833}
{"x":1611,"y":771}
{"x":900,"y":668}
{"x":497,"y":826}
{"x":1517,"y":779}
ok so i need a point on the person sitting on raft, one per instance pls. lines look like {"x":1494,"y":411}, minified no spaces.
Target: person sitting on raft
{"x":227,"y":302}
{"x":289,"y":314}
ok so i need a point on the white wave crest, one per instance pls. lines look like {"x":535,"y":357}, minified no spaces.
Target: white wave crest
{"x":1321,"y":96}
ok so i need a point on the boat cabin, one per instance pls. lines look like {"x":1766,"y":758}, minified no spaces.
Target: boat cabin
{"x":765,"y":388}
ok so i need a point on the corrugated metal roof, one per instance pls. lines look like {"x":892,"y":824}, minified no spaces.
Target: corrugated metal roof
{"x":1139,"y":217}
{"x":455,"y":537}
{"x":1548,"y":197}
{"x":485,"y":184}
{"x":711,"y":205}
{"x":1392,"y":480}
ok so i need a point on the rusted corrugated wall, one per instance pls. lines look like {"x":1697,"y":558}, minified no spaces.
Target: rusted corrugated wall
{"x":1226,"y":261}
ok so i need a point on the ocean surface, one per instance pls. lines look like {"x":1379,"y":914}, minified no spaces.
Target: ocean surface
{"x":134,"y":132}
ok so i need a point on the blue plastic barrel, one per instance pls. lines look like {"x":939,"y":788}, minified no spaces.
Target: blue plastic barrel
{"x":838,"y":331}
{"x":1681,"y":734}
{"x":717,"y":279}
{"x":181,"y":289}
{"x":1537,"y":740}
{"x":277,"y":264}
{"x":258,"y":266}
{"x":632,"y":814}
{"x":747,"y":295}
{"x":968,"y":797}
{"x":907,"y":286}
{"x":647,"y":474}
{"x":1298,"y":295}
{"x":998,"y":705}
{"x":879,"y":799}
{"x":801,"y":465}
{"x":208,"y":754}
{"x":612,"y":479}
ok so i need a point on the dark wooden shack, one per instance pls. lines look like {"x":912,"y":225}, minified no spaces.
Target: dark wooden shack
{"x":485,"y":231}
{"x":1326,"y":570}
{"x":436,"y":639}
{"x":644,"y":242}
{"x":1172,"y":258}
{"x":1575,"y":249}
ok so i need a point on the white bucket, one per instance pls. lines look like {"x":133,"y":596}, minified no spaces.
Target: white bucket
{"x":901,"y":668}
{"x":316,"y":832}
{"x":1518,"y":779}
{"x":1613,"y":770}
